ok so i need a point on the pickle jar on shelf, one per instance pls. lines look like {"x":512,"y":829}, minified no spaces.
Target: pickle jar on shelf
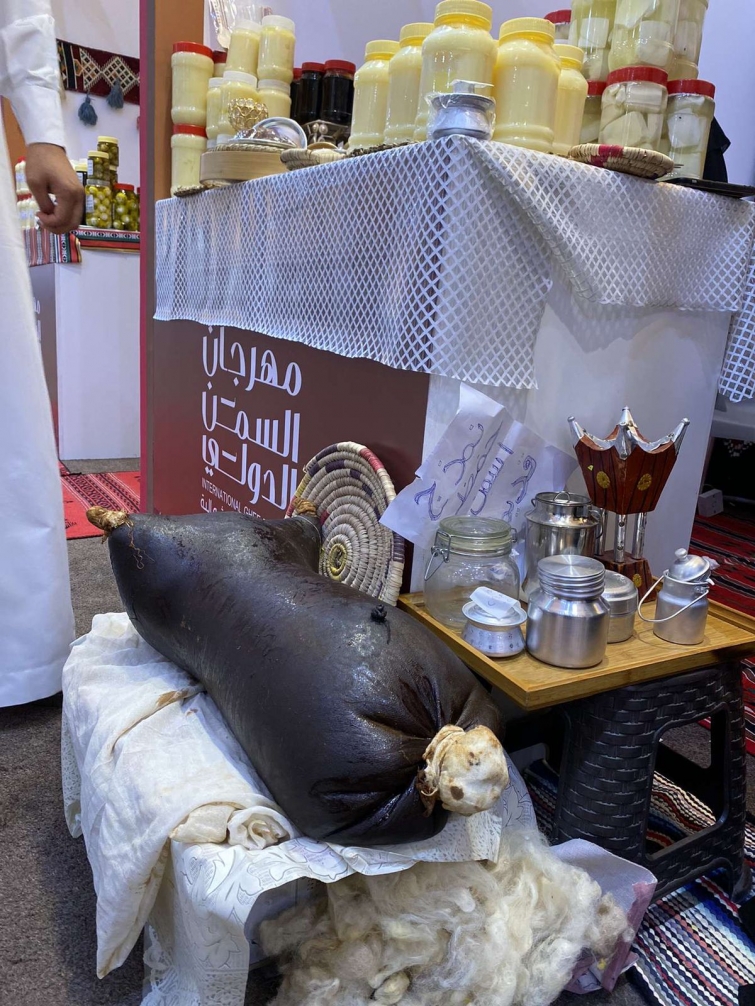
{"x":590,"y":132}
{"x":561,"y":21}
{"x":460,"y":47}
{"x":192,"y":68}
{"x":371,"y":95}
{"x":689,"y":116}
{"x":527,"y":74}
{"x":405,"y":73}
{"x":109,"y":145}
{"x":98,"y":166}
{"x":570,"y":100}
{"x":98,"y":205}
{"x":643,"y":34}
{"x":125,"y":216}
{"x":469,"y":552}
{"x":633,"y":111}
{"x":591,"y":29}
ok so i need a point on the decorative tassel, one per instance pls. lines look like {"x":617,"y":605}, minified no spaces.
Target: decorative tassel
{"x":115,"y":98}
{"x":87,"y":112}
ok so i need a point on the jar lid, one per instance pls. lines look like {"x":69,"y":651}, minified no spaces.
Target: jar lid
{"x":627,"y":73}
{"x":274,"y":85}
{"x":239,"y":75}
{"x":620,"y":593}
{"x":688,"y":567}
{"x":108,"y":139}
{"x":246,"y":24}
{"x":491,"y":607}
{"x":200,"y":50}
{"x":189,"y":130}
{"x":528,"y":26}
{"x":559,"y":17}
{"x":572,"y":576}
{"x":100,"y":155}
{"x":466,"y":8}
{"x":564,"y":508}
{"x":123,"y":187}
{"x":313,"y":68}
{"x":297,"y":73}
{"x":570,"y":52}
{"x":215,"y":82}
{"x":219,"y":56}
{"x":380,"y":47}
{"x":99,"y":182}
{"x":340,"y":66}
{"x":703,"y":87}
{"x":278,"y":21}
{"x":474,"y":534}
{"x":418,"y":29}
{"x":595,"y":88}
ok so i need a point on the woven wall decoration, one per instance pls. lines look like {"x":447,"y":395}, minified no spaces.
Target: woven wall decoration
{"x":94,"y":71}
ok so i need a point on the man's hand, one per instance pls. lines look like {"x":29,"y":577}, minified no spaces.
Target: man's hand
{"x":49,"y":172}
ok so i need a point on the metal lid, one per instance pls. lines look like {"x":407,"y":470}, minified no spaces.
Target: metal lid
{"x":620,"y":593}
{"x":474,"y":535}
{"x":689,"y":567}
{"x":572,"y":576}
{"x":564,"y":508}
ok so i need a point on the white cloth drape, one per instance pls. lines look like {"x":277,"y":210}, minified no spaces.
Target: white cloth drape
{"x":36,"y":620}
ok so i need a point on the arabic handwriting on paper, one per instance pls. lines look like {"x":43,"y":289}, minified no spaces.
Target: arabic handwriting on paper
{"x":485,"y":464}
{"x":228,"y":445}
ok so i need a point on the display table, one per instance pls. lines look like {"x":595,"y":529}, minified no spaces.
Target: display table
{"x":88,"y":326}
{"x":386,"y":280}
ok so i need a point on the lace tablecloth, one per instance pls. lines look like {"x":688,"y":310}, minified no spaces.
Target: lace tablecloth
{"x":438,"y":257}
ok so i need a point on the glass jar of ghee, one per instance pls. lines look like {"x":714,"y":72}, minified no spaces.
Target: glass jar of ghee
{"x":109,"y":145}
{"x":244,"y":48}
{"x":276,"y":96}
{"x":592,"y":30}
{"x":643,"y":34}
{"x":187,"y":144}
{"x":689,"y":116}
{"x":235,"y":85}
{"x":277,"y":44}
{"x":219,"y":58}
{"x":590,"y":132}
{"x":561,"y":21}
{"x":98,"y":166}
{"x":214,"y":98}
{"x":124,"y":216}
{"x":371,"y":95}
{"x":570,"y":100}
{"x":192,"y":68}
{"x":688,"y":38}
{"x":634,"y":107}
{"x":460,"y":47}
{"x":526,"y":78}
{"x":98,"y":204}
{"x":405,"y":72}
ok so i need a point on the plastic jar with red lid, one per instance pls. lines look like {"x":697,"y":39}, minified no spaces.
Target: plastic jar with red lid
{"x":633,"y":110}
{"x":310,"y":92}
{"x":591,"y":116}
{"x":192,"y":67}
{"x":689,"y":116}
{"x":561,"y":20}
{"x":338,"y":92}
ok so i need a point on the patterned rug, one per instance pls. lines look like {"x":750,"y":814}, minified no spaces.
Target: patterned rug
{"x":729,"y":538}
{"x":691,"y":948}
{"x":114,"y":490}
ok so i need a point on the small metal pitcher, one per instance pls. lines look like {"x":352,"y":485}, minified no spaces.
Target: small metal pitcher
{"x":682,"y":608}
{"x":560,"y":524}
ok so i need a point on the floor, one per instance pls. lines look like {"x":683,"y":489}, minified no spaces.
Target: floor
{"x":47,"y":903}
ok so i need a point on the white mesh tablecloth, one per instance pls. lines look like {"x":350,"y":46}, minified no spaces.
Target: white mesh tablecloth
{"x":438,"y":257}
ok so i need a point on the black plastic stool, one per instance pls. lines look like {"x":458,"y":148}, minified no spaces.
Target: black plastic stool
{"x":611,"y":750}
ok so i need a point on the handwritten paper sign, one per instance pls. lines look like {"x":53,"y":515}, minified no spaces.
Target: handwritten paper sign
{"x":486,"y":465}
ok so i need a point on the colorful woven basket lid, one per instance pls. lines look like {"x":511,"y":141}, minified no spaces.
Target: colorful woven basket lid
{"x":629,"y":160}
{"x":350,"y":490}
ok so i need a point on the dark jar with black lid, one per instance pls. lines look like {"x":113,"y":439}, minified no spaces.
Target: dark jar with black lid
{"x":338,"y":92}
{"x":310,"y":93}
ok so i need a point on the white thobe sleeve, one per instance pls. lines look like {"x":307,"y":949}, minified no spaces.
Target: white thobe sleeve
{"x":29,"y":73}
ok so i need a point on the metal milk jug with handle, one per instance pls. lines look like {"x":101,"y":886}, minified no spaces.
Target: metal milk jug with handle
{"x":682,"y":608}
{"x":560,"y":524}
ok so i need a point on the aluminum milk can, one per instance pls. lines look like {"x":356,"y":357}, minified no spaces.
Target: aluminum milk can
{"x":682,"y":608}
{"x":560,"y":524}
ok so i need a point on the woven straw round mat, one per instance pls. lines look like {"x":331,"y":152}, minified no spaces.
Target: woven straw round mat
{"x":629,"y":160}
{"x":350,"y":489}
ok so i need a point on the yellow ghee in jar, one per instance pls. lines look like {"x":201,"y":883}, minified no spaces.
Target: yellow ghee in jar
{"x":371,"y":95}
{"x":235,"y":85}
{"x":188,"y":143}
{"x":191,"y":67}
{"x":277,"y":44}
{"x":405,"y":73}
{"x":244,"y":48}
{"x":527,"y":73}
{"x":214,"y":98}
{"x":570,"y":100}
{"x":460,"y":47}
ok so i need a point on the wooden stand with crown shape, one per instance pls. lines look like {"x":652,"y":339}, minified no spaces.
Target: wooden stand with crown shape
{"x":625,"y":476}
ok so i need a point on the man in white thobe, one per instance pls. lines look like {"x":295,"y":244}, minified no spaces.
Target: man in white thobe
{"x":36,"y":620}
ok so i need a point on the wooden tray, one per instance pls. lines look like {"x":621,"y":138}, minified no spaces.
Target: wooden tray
{"x":534,"y":685}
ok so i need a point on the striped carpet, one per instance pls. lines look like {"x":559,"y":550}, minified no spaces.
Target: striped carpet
{"x":113,"y":490}
{"x":691,"y":949}
{"x":729,"y":538}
